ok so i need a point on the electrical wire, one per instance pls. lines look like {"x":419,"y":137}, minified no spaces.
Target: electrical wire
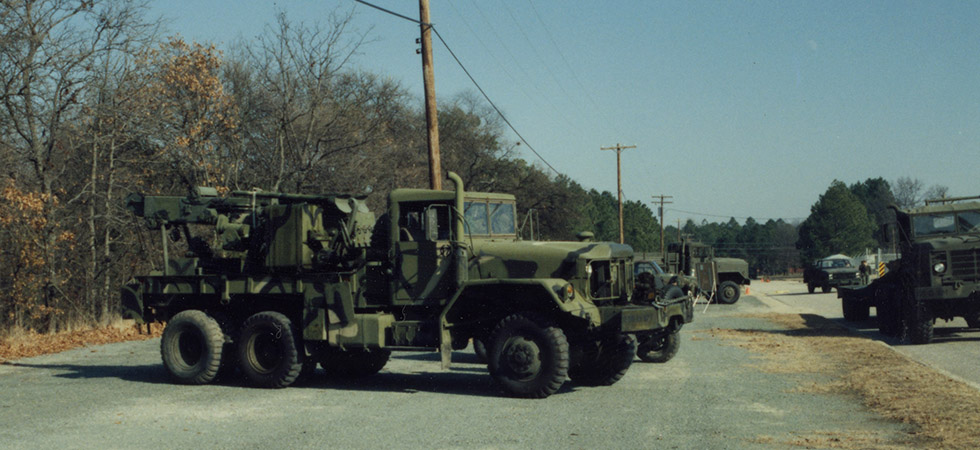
{"x":492,"y":104}
{"x":470,"y":76}
{"x":785,"y":219}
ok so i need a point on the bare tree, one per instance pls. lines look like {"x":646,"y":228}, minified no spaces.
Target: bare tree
{"x":912,"y":192}
{"x":47,"y":62}
{"x":311,"y":104}
{"x":908,"y":192}
{"x":936,"y":191}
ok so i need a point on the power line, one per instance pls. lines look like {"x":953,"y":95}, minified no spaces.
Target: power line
{"x":572,"y":71}
{"x":492,"y":104}
{"x":415,"y":21}
{"x":736,"y":217}
{"x":473,"y":80}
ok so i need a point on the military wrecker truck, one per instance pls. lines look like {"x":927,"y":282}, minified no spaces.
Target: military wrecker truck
{"x":937,"y":276}
{"x":692,"y":258}
{"x":283,"y":282}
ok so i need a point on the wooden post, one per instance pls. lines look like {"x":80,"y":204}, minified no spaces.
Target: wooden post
{"x":431,"y":115}
{"x":619,"y":184}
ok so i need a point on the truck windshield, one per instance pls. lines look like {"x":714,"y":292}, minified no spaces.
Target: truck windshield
{"x":834,"y":263}
{"x":489,"y":218}
{"x":946,"y":223}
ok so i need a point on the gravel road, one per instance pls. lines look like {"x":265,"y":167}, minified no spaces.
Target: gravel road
{"x":709,"y":396}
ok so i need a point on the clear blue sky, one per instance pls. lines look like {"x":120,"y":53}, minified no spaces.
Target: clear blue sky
{"x":740,"y":109}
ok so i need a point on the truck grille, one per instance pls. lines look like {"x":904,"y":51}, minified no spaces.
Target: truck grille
{"x":965,"y":264}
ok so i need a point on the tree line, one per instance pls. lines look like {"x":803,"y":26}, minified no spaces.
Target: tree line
{"x":97,"y":102}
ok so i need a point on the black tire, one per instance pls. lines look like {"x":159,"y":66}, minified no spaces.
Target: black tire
{"x":888,"y":309}
{"x":674,"y":292}
{"x":919,"y":321}
{"x":728,"y":292}
{"x":528,"y":357}
{"x":973,"y":320}
{"x":659,"y":349}
{"x":191,"y":347}
{"x":810,"y":288}
{"x":268,"y":353}
{"x":603,"y":363}
{"x":480,"y":349}
{"x":855,"y":311}
{"x":825,"y":288}
{"x":356,"y":363}
{"x":889,"y":319}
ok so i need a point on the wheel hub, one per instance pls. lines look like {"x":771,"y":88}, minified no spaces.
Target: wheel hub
{"x":522,"y":357}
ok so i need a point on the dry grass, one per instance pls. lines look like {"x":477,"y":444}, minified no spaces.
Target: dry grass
{"x":24,"y":344}
{"x":940,"y":412}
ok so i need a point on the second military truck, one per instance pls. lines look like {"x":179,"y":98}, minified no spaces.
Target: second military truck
{"x":724,"y":276}
{"x":937,"y":276}
{"x":289,"y":281}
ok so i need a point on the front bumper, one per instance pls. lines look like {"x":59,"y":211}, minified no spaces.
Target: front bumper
{"x":638,"y":318}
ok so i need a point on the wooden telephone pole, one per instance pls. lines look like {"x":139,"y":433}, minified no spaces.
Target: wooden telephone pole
{"x":662,"y":203}
{"x":428,"y":79}
{"x":619,"y":183}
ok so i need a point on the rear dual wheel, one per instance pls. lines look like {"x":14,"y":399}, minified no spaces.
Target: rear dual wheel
{"x":604,"y":362}
{"x":268,"y":354}
{"x":191,"y":347}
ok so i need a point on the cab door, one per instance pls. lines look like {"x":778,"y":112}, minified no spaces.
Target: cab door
{"x":423,"y":256}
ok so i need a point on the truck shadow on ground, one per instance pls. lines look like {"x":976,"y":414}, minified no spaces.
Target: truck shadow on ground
{"x":941,"y":334}
{"x":468,"y":376}
{"x":818,"y":326}
{"x":153,"y":373}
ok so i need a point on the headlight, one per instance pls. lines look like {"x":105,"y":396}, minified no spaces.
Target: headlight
{"x":939,"y":268}
{"x":565,"y":293}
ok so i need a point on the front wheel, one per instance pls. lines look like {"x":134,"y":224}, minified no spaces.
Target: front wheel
{"x":267,"y":351}
{"x":659,"y":349}
{"x":920,"y":323}
{"x":528,"y":357}
{"x":825,"y":288}
{"x":191,"y":347}
{"x":728,"y":292}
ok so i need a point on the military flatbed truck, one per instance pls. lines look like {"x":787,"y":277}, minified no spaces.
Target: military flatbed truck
{"x":937,"y":276}
{"x":278,"y":283}
{"x":725,"y":276}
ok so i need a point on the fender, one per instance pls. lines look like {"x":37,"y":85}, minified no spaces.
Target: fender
{"x":542,"y":293}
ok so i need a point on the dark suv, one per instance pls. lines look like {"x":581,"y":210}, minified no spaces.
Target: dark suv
{"x":830,"y":272}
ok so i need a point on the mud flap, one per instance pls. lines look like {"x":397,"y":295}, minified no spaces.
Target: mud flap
{"x":445,"y":345}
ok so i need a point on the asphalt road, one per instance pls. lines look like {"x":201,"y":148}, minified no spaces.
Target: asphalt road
{"x":955,"y":349}
{"x":709,"y":396}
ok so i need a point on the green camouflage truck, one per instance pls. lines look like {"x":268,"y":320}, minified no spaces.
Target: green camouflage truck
{"x":937,"y":276}
{"x":285,"y":282}
{"x":695,"y":259}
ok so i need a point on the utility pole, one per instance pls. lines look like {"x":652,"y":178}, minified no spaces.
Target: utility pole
{"x":662,"y":203}
{"x":619,"y":184}
{"x":428,"y":79}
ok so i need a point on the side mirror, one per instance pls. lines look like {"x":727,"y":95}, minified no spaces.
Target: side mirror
{"x":888,"y":232}
{"x":432,"y":224}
